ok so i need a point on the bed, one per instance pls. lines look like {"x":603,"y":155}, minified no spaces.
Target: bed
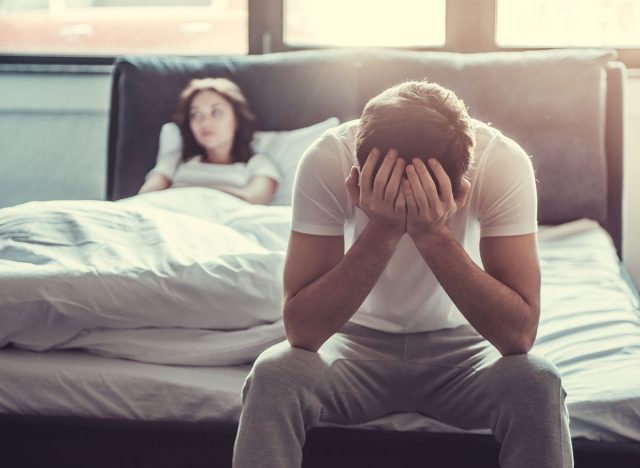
{"x":97,"y":399}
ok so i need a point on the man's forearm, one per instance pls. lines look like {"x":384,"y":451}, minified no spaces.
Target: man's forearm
{"x":321,"y":308}
{"x":496,"y":311}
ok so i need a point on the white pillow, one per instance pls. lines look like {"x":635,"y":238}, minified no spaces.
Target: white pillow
{"x":285,"y":148}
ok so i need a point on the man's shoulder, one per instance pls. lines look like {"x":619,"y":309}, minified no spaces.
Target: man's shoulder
{"x":497,"y":160}
{"x":343,"y":136}
{"x":491,"y":141}
{"x":319,"y":192}
{"x":484,"y":132}
{"x":337,"y":144}
{"x":346,"y":130}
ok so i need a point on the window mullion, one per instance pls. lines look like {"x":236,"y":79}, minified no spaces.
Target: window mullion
{"x":266,"y":29}
{"x":471,"y":25}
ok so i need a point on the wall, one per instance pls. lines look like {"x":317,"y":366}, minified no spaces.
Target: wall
{"x":53,"y":135}
{"x":53,"y":140}
{"x":631,"y":194}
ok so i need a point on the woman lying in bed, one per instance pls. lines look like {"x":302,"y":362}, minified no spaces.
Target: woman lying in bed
{"x":210,"y":145}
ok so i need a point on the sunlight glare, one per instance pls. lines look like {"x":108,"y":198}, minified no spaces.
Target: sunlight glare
{"x":365,"y":22}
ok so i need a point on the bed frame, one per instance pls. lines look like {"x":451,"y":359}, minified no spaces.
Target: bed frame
{"x":527,"y":95}
{"x":39,"y":441}
{"x":582,"y":89}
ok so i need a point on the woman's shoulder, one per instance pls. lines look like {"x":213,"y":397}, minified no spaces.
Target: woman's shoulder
{"x":170,"y":137}
{"x":170,"y":129}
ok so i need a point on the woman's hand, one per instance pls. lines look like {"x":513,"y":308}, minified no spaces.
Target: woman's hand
{"x":154,"y":183}
{"x":381,"y":197}
{"x":259,"y":191}
{"x":429,"y":206}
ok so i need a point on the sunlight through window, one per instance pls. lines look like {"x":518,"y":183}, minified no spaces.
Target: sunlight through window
{"x":401,"y":23}
{"x":113,"y":27}
{"x":561,"y":23}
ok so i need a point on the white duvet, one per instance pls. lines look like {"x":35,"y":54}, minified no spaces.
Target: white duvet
{"x":187,"y":276}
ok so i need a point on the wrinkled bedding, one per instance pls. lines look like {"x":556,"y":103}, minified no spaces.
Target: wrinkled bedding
{"x":184,"y":276}
{"x":589,"y":327}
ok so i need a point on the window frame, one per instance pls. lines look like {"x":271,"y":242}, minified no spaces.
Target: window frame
{"x":470,"y":27}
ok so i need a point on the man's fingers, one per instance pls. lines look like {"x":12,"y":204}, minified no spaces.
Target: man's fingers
{"x":412,"y":207}
{"x":419,"y":195}
{"x":384,"y":172}
{"x":393,"y":186}
{"x":446,"y":192}
{"x":426,"y":181}
{"x":352,"y":184}
{"x":400,"y":203}
{"x":366,"y":176}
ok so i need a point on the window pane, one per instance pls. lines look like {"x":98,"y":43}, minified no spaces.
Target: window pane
{"x":398,"y":23}
{"x":113,"y":27}
{"x":558,"y":23}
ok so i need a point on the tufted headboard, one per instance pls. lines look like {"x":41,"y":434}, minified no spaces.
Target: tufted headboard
{"x":564,"y":107}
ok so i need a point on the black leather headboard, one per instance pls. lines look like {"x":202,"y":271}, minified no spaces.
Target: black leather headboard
{"x":563,"y":106}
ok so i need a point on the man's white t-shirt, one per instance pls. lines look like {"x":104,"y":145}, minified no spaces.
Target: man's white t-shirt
{"x":194,"y":172}
{"x":407,"y":297}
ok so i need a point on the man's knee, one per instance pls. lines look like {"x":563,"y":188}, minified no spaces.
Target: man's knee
{"x":528,"y":367}
{"x":526,"y":379}
{"x":283,"y":369}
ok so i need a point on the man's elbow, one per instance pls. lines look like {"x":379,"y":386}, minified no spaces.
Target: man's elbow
{"x":518,"y":345}
{"x":297,"y":334}
{"x":522,"y":342}
{"x":300,"y":342}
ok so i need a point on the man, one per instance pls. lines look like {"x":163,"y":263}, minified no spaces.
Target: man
{"x":386,"y":306}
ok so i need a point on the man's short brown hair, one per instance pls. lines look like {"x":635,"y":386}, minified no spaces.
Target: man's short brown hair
{"x":419,"y":119}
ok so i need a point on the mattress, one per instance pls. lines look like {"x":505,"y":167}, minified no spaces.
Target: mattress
{"x":589,"y":327}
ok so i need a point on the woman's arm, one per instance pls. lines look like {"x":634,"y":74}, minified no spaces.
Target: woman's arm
{"x":167,"y":160}
{"x":259,"y":190}
{"x":155,"y":182}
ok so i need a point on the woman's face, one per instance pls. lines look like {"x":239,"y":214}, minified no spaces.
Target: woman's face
{"x":212,"y":121}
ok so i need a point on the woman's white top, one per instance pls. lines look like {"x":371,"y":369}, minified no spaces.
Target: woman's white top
{"x":194,"y":172}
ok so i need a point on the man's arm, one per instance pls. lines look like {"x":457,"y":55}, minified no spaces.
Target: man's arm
{"x":502,"y":302}
{"x":323,"y":287}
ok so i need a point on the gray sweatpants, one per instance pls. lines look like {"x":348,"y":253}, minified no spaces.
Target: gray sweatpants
{"x":359,"y":374}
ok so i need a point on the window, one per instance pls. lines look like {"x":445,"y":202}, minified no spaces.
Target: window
{"x":401,"y":23}
{"x":114,"y":27}
{"x":93,"y":32}
{"x":573,"y":23}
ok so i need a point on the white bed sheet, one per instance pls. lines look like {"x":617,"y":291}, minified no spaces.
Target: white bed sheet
{"x":189,"y":276}
{"x":590,"y":328}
